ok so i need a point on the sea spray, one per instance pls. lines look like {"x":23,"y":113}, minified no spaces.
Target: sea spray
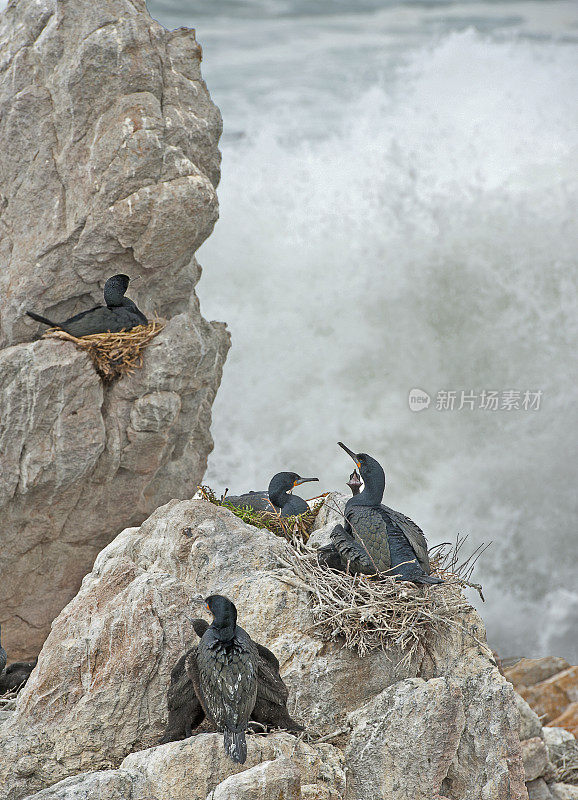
{"x":427,"y":240}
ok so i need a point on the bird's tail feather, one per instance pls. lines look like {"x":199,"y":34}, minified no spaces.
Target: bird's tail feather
{"x":44,"y":320}
{"x":236,"y":745}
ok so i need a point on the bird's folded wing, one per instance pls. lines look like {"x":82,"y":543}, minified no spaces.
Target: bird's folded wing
{"x":352,"y":551}
{"x":413,"y":534}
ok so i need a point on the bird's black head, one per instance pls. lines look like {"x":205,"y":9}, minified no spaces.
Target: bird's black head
{"x":354,"y":482}
{"x":372,"y":475}
{"x":283,"y":482}
{"x":225,"y":616}
{"x":114,"y":289}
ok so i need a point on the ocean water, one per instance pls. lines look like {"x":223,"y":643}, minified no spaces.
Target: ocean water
{"x":399,"y":211}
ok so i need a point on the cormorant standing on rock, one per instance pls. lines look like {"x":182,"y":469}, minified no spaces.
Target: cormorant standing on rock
{"x":227,"y":664}
{"x":119,"y":313}
{"x":186,"y":712}
{"x":277,"y":496}
{"x":377,"y":539}
{"x":3,"y":653}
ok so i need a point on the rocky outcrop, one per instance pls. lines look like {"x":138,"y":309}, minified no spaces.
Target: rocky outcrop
{"x":550,"y":686}
{"x":109,"y":163}
{"x":277,"y":768}
{"x":443,"y":724}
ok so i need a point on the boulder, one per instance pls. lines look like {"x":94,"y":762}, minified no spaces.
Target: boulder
{"x":530,"y":725}
{"x":568,"y":719}
{"x":528,"y":671}
{"x":446,"y":721}
{"x":277,"y":767}
{"x":564,"y":791}
{"x":551,"y":697}
{"x":109,"y":164}
{"x":535,"y":759}
{"x":538,"y":790}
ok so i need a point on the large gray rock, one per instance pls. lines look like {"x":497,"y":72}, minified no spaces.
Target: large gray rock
{"x":108,"y":163}
{"x":444,"y":723}
{"x":277,"y":768}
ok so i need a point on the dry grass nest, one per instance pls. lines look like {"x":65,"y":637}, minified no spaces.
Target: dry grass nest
{"x":291,"y":528}
{"x":366,"y":613}
{"x":370,"y":614}
{"x":114,"y":354}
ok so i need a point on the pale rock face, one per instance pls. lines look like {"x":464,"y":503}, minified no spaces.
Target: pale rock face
{"x":446,"y":723}
{"x":530,"y":725}
{"x":198,"y":769}
{"x":109,"y":162}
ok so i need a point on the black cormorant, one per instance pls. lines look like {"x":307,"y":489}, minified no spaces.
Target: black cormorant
{"x":185,"y":709}
{"x":186,"y":712}
{"x":277,"y":496}
{"x":354,"y":482}
{"x":16,"y":675}
{"x":3,"y":654}
{"x":119,"y":313}
{"x":377,"y":539}
{"x":227,"y":662}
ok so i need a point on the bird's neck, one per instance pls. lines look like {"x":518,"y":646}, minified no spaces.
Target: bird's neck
{"x":280,"y":498}
{"x":372,"y":493}
{"x":225,"y":631}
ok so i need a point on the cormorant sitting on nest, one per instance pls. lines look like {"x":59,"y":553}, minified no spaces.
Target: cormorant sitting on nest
{"x":16,"y":675}
{"x":227,"y":663}
{"x":119,"y":313}
{"x":377,"y":539}
{"x":277,"y":496}
{"x":354,"y":482}
{"x":3,"y":653}
{"x":186,"y":712}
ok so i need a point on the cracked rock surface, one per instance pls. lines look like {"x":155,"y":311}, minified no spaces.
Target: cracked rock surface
{"x":445,"y":724}
{"x":109,"y":163}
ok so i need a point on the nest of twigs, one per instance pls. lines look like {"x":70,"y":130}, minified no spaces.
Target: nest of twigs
{"x":564,"y":757}
{"x":368,"y":613}
{"x":114,"y":354}
{"x":294,"y":529}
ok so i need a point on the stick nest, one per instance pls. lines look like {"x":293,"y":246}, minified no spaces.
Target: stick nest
{"x":369,"y":614}
{"x":114,"y":354}
{"x":294,"y":529}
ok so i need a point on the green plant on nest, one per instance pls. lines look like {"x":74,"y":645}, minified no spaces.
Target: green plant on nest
{"x":289,"y":527}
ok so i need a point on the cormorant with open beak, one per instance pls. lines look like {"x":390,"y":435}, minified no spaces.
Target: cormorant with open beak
{"x":119,"y":313}
{"x":377,"y":539}
{"x":277,"y":496}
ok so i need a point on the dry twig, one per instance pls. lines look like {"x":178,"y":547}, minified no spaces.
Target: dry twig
{"x":113,"y":354}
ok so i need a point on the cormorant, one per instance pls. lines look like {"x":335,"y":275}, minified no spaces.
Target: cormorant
{"x":354,"y":482}
{"x":16,"y":675}
{"x":227,"y":662}
{"x":3,"y":653}
{"x":186,"y":712}
{"x":328,"y":555}
{"x":119,"y":313}
{"x":377,"y":539}
{"x":277,"y":496}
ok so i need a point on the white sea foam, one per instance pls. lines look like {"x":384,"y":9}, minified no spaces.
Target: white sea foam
{"x":430,"y":242}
